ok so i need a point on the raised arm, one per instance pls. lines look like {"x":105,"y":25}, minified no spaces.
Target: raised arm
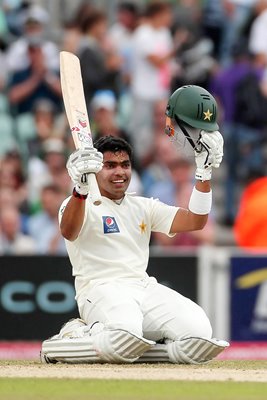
{"x":196,"y":215}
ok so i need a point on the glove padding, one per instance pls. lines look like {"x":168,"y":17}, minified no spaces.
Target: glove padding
{"x":211,"y":154}
{"x":81,"y":163}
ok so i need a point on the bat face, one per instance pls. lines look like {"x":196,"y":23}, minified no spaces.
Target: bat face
{"x":76,"y":110}
{"x":74,"y":101}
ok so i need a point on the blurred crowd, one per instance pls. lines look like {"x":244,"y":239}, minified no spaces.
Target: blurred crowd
{"x":129,"y":67}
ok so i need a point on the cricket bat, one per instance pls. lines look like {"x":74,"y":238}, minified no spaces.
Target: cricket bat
{"x":76,"y":110}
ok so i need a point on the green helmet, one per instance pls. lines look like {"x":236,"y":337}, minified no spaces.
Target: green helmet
{"x":195,"y":106}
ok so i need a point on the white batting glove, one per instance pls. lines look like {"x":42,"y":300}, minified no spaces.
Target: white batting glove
{"x":81,"y":163}
{"x":210,"y":156}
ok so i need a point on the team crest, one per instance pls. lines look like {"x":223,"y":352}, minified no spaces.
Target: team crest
{"x":207,"y":115}
{"x":110,"y":225}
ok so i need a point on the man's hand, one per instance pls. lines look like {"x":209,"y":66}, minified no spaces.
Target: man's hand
{"x":211,"y":154}
{"x":81,"y":163}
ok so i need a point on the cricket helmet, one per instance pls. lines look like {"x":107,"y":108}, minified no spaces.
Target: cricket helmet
{"x":194,"y":106}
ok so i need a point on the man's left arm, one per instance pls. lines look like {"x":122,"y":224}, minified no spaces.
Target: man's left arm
{"x":196,"y":215}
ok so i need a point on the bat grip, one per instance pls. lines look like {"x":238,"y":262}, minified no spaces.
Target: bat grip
{"x":94,"y":190}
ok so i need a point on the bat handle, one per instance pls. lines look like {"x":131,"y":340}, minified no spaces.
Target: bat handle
{"x":94,"y":190}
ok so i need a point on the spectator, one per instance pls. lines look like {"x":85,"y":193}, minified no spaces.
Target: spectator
{"x":8,"y":196}
{"x":189,"y":11}
{"x":237,"y":14}
{"x":12,"y":177}
{"x":35,"y":21}
{"x":194,"y":57}
{"x":213,"y":20}
{"x":12,"y":240}
{"x":43,"y":226}
{"x":15,"y":14}
{"x":100,"y":65}
{"x":151,"y":72}
{"x":121,"y":35}
{"x":104,"y":115}
{"x":46,"y":122}
{"x":158,"y":126}
{"x":250,"y":227}
{"x":157,"y":170}
{"x":243,"y":149}
{"x":50,"y":168}
{"x":34,"y":82}
{"x":73,"y":28}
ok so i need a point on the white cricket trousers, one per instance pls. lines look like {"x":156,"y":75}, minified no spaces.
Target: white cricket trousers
{"x":146,"y":308}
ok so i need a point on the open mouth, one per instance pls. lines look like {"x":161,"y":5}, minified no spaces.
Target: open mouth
{"x":119,"y":181}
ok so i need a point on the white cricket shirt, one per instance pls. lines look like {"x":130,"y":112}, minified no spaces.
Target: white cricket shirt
{"x":114,"y":240}
{"x":148,"y":81}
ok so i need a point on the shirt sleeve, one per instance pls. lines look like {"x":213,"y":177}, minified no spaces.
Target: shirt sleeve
{"x":162,"y":216}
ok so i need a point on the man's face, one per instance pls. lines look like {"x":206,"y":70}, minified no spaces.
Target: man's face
{"x":114,"y":178}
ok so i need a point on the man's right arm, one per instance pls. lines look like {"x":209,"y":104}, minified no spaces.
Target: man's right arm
{"x":72,"y":218}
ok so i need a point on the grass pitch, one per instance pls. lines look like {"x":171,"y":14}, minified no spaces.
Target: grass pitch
{"x":116,"y":389}
{"x":43,"y":389}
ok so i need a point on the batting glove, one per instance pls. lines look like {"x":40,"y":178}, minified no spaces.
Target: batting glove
{"x":81,"y":163}
{"x":210,"y":156}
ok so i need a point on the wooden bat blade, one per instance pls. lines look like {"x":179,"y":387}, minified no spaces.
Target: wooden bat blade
{"x":74,"y":101}
{"x":76,"y":110}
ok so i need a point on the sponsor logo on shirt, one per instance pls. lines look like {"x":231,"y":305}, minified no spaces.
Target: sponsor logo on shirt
{"x":110,"y":225}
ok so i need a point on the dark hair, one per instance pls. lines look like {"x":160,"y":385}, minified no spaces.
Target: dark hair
{"x":92,"y":19}
{"x":113,"y":144}
{"x":128,"y":6}
{"x":156,"y":7}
